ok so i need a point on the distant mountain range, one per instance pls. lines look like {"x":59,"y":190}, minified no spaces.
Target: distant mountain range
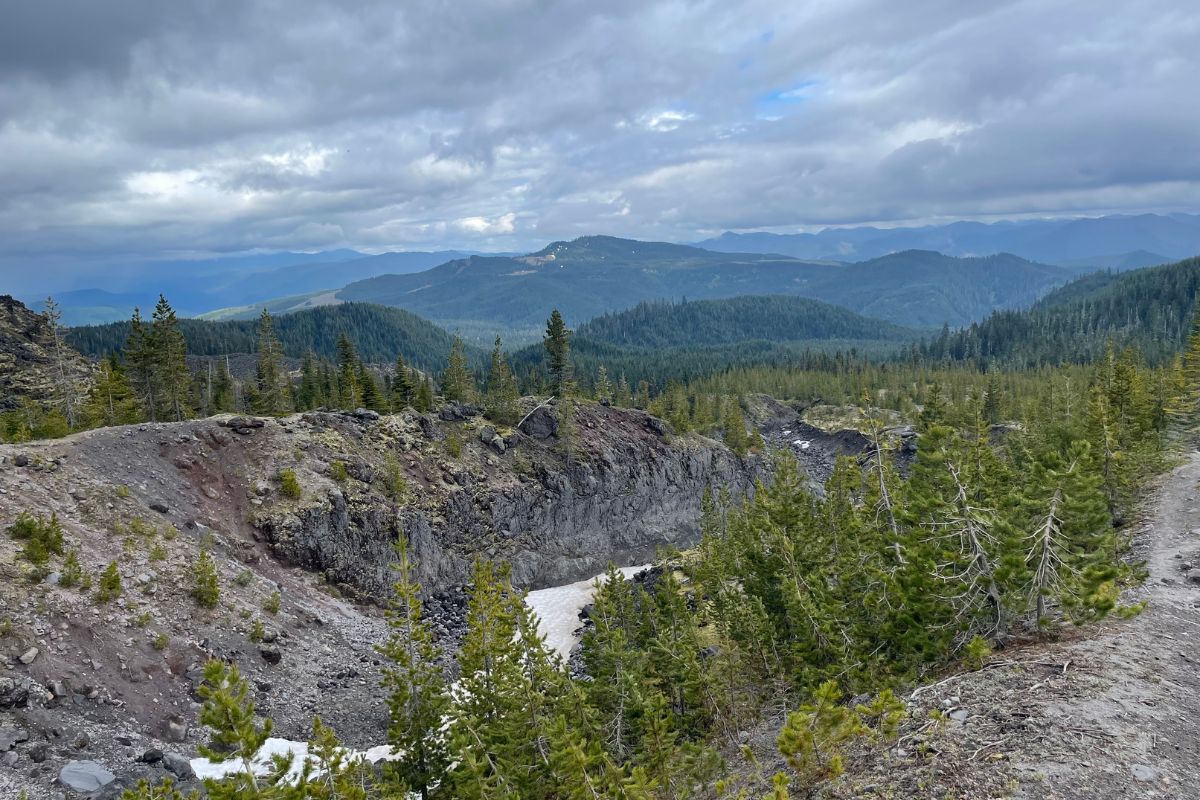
{"x":1118,"y":241}
{"x":660,"y":341}
{"x":912,"y":276}
{"x":199,"y":286}
{"x":598,"y":274}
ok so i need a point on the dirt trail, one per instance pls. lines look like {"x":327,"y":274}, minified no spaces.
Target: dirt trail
{"x":1106,"y":712}
{"x":1133,"y":729}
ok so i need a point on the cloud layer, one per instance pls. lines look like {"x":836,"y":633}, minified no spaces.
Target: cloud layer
{"x":145,"y":128}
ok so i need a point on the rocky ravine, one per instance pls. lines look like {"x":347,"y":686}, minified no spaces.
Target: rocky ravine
{"x":114,"y":682}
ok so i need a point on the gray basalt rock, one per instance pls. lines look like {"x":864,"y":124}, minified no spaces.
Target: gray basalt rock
{"x":627,"y":493}
{"x":84,"y":776}
{"x":540,"y":424}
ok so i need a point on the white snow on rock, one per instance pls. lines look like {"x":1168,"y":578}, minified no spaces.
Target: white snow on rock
{"x":802,"y":443}
{"x":296,"y":752}
{"x":558,"y":609}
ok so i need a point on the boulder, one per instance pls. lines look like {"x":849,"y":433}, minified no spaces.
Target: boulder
{"x":13,"y":693}
{"x":160,"y":507}
{"x":243,"y":425}
{"x":271,"y":655}
{"x":21,"y":460}
{"x":457,"y":412}
{"x":360,"y":470}
{"x":1192,"y":576}
{"x":365,"y":414}
{"x":178,"y":766}
{"x":493,"y":440}
{"x":430,"y":430}
{"x":174,"y":729}
{"x":84,"y":776}
{"x":540,"y":424}
{"x":151,"y":756}
{"x":658,"y":427}
{"x":29,"y":655}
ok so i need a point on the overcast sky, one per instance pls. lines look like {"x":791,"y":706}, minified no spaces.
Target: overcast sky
{"x":145,"y":128}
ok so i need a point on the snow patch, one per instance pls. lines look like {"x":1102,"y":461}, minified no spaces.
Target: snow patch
{"x":558,"y":608}
{"x":295,"y":752}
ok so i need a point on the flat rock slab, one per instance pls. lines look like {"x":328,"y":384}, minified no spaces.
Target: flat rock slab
{"x":11,"y":737}
{"x":84,"y":776}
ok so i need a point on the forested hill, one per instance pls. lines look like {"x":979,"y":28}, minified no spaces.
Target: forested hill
{"x":378,"y":332}
{"x":771,"y":318}
{"x":598,"y":274}
{"x":1151,"y":308}
{"x":663,"y":341}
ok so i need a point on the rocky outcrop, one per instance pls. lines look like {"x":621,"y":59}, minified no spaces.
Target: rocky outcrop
{"x":624,"y":491}
{"x":27,"y":363}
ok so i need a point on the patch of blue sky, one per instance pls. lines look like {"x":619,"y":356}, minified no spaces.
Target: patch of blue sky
{"x":778,"y":103}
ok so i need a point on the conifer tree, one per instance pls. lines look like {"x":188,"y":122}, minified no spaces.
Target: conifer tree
{"x":370,"y":394}
{"x":140,"y":355}
{"x":222,"y":394}
{"x":311,"y":393}
{"x":110,"y":401}
{"x":270,"y":395}
{"x":623,"y":397}
{"x":1189,"y":403}
{"x":734,"y":425}
{"x":237,"y":733}
{"x":500,"y":402}
{"x":558,"y":355}
{"x":424,"y":401}
{"x":934,"y":410}
{"x":68,"y":392}
{"x":170,"y":362}
{"x":615,"y":665}
{"x":458,"y":384}
{"x":349,"y":391}
{"x":643,"y":395}
{"x":992,"y":402}
{"x":418,"y":697}
{"x":404,"y":388}
{"x":490,"y":742}
{"x":604,"y":388}
{"x":1071,"y":552}
{"x":206,"y":591}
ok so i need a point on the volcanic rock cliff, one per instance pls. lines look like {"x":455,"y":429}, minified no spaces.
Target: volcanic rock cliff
{"x":302,"y":574}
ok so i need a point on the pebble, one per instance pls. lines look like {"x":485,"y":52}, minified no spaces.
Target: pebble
{"x":1143,"y":772}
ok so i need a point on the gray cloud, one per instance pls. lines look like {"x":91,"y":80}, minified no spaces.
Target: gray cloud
{"x":134,"y":129}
